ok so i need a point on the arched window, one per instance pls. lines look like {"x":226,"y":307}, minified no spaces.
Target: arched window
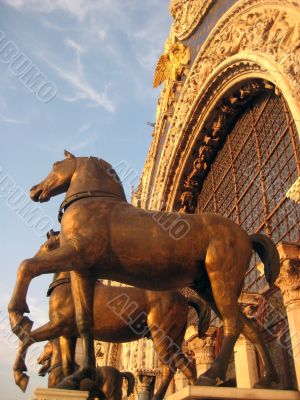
{"x":248,"y":179}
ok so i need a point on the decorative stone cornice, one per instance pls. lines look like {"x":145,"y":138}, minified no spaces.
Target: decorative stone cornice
{"x":294,"y":192}
{"x":187,"y":15}
{"x":289,"y":277}
{"x":254,"y":39}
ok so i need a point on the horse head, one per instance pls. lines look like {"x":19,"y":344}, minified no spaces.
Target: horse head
{"x":79,"y":175}
{"x":57,"y":181}
{"x":51,"y":243}
{"x":45,"y":359}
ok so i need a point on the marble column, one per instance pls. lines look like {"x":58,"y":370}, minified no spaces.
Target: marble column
{"x":289,"y":284}
{"x":245,"y":363}
{"x":145,"y":386}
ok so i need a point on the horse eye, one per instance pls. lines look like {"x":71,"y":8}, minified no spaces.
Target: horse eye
{"x":46,"y":246}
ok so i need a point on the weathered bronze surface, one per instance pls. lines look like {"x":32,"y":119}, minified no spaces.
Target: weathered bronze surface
{"x":121,"y":314}
{"x":109,"y":380}
{"x":104,"y":236}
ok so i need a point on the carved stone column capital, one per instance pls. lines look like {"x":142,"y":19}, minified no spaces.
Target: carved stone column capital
{"x":289,"y":277}
{"x":146,"y":383}
{"x":203,"y":349}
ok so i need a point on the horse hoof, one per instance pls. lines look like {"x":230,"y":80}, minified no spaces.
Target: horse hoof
{"x":204,"y":380}
{"x":22,"y":381}
{"x":23,"y":328}
{"x":68,"y":384}
{"x":266,"y":383}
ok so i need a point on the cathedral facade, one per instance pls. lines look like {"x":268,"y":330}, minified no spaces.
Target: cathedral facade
{"x":226,"y":140}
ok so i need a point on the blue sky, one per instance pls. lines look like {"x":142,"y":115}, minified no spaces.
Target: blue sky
{"x":100,"y":55}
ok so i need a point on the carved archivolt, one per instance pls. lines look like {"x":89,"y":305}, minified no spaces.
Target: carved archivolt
{"x":214,"y":133}
{"x":187,"y":15}
{"x":255,"y":38}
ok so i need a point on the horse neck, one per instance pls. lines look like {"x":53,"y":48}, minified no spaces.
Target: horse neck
{"x":89,"y":175}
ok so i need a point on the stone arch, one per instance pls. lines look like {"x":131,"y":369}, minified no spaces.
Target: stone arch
{"x":254,"y":39}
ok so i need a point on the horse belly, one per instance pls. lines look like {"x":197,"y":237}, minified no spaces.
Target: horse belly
{"x":149,"y":253}
{"x":118,"y":314}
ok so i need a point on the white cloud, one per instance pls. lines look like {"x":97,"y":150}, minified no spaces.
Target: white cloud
{"x":10,"y":120}
{"x":84,"y":90}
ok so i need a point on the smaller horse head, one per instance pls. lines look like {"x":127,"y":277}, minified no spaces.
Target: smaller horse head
{"x":57,"y":181}
{"x":45,"y":359}
{"x":51,"y":243}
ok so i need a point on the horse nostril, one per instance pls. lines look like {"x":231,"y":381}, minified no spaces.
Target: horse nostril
{"x":33,"y":187}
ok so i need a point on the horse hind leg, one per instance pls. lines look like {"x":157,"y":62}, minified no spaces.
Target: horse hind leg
{"x":167,"y":375}
{"x":251,"y":331}
{"x":223,"y":299}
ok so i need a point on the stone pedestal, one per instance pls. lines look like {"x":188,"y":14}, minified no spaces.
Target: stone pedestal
{"x":245,"y":363}
{"x":218,"y":393}
{"x":289,"y":284}
{"x":59,"y":394}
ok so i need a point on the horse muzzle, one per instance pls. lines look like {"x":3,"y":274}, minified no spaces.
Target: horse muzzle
{"x":39,"y":194}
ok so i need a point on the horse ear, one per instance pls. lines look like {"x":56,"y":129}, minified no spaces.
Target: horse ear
{"x":68,"y":154}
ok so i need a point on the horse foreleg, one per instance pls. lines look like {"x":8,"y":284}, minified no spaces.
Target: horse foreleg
{"x":62,"y":259}
{"x":45,"y":332}
{"x":83,"y":287}
{"x":67,"y":348}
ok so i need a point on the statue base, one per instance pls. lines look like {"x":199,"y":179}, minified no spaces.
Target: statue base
{"x":222,"y":393}
{"x":59,"y":394}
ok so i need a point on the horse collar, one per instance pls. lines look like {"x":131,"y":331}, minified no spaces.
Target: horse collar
{"x":57,"y":365}
{"x":56,"y":283}
{"x":78,"y":196}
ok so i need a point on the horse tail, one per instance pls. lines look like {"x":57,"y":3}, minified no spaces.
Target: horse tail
{"x":131,"y":382}
{"x":203,"y":312}
{"x":268,"y":253}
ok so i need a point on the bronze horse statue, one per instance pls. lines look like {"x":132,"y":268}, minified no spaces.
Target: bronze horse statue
{"x":104,"y":236}
{"x":130,"y":314}
{"x":109,"y":380}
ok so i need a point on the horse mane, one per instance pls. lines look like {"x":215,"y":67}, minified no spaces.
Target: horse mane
{"x":108,"y":168}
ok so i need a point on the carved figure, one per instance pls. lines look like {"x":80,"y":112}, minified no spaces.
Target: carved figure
{"x":199,"y":168}
{"x":130,"y":314}
{"x":102,"y":236}
{"x":170,"y":64}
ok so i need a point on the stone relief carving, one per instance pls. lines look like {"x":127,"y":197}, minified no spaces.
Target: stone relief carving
{"x":294,"y":192}
{"x":187,"y":15}
{"x":268,"y":30}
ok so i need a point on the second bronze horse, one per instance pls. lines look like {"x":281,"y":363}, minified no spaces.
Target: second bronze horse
{"x":121,"y":314}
